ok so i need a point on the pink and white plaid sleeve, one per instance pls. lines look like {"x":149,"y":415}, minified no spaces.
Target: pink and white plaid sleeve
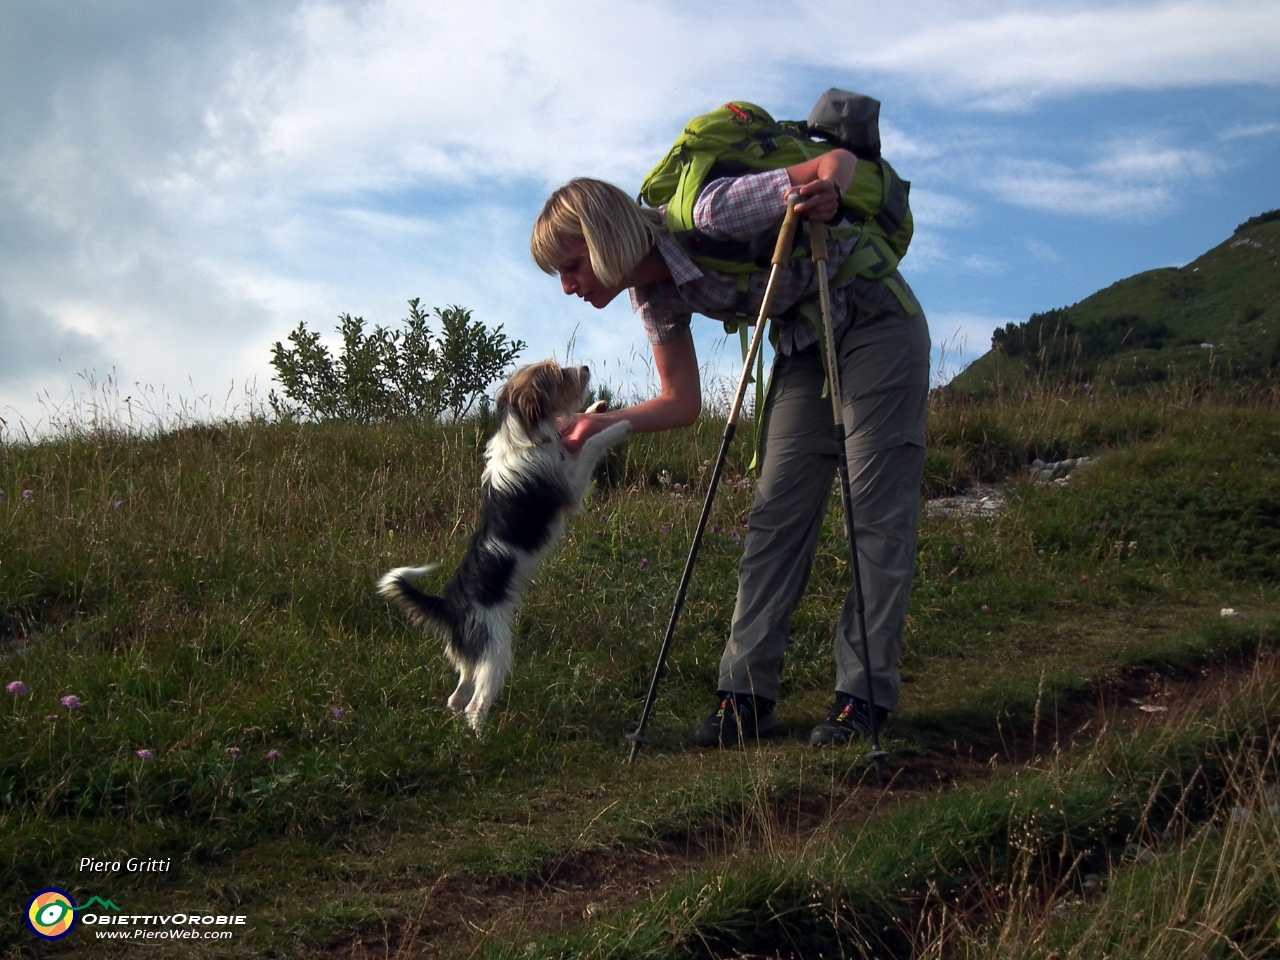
{"x":741,"y":208}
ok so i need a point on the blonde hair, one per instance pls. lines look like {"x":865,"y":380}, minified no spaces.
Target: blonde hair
{"x":619,"y":233}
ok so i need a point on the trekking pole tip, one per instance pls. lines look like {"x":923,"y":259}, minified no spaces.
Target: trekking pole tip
{"x":638,"y":739}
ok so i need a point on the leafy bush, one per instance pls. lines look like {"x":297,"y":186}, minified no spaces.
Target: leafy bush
{"x":388,"y":374}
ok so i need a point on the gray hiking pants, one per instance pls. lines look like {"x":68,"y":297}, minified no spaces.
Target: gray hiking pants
{"x":884,"y":361}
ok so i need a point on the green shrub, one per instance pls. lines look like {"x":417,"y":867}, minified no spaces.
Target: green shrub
{"x":388,"y":374}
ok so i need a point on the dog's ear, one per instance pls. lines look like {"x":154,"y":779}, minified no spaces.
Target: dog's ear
{"x":529,"y":394}
{"x":532,"y":403}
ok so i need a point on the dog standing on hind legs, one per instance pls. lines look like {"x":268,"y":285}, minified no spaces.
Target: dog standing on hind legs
{"x":529,"y":486}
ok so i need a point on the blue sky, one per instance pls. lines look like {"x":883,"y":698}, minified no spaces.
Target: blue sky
{"x":181,"y":184}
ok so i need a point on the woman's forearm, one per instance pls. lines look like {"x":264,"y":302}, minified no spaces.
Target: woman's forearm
{"x":680,"y":401}
{"x":838,"y":166}
{"x":678,"y":405}
{"x":660,"y":413}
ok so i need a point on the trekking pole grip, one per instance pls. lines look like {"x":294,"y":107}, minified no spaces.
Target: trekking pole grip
{"x":782,"y":252}
{"x":818,"y":241}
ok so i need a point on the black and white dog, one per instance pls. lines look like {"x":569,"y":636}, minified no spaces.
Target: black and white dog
{"x":529,"y":486}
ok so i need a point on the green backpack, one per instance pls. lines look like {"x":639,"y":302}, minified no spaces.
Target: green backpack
{"x":741,"y":138}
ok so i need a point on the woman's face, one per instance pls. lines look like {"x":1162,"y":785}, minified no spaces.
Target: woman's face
{"x":578,"y":276}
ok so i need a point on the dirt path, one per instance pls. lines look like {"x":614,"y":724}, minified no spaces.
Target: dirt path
{"x":459,"y":915}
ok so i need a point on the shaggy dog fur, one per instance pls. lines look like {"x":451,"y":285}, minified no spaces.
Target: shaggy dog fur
{"x":529,"y":486}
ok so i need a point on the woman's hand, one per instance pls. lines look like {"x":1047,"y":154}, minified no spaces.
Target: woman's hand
{"x":577,"y":428}
{"x":822,"y":182}
{"x":821,"y":200}
{"x":677,"y":405}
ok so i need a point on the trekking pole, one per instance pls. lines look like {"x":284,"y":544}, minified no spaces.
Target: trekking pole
{"x":818,"y":244}
{"x":781,"y":254}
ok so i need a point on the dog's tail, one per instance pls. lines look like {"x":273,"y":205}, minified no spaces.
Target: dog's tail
{"x":423,"y":609}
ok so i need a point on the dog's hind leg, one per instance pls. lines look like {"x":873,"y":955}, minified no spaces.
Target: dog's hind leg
{"x":462,"y":694}
{"x":490,"y":672}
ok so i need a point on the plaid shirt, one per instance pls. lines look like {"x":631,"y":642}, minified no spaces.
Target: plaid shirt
{"x":735,"y":208}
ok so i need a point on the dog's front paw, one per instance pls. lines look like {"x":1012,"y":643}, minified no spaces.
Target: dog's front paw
{"x":600,"y":406}
{"x":615,"y":432}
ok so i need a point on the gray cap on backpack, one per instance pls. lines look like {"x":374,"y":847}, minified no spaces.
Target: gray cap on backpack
{"x":849,"y":120}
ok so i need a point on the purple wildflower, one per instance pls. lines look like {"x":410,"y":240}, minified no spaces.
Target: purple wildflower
{"x":146,"y":755}
{"x":337,"y":713}
{"x":985,"y":608}
{"x":644,"y":564}
{"x":957,"y":549}
{"x":71,"y":702}
{"x":1084,"y":577}
{"x":235,"y":753}
{"x":1026,"y":394}
{"x":51,"y":718}
{"x":117,"y":505}
{"x":1088,"y":387}
{"x":17,"y":688}
{"x":1103,"y":527}
{"x":26,"y":494}
{"x":2,"y":495}
{"x":274,"y":755}
{"x":665,"y":528}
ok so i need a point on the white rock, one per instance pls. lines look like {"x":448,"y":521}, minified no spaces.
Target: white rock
{"x":1140,"y":854}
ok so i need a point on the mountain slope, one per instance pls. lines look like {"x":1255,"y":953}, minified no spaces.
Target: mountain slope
{"x":1218,"y":316}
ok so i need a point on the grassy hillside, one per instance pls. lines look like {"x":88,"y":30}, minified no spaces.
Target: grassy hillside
{"x":207,"y":596}
{"x":1217,"y":318}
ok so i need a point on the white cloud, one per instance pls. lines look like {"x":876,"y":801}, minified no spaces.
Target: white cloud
{"x":1042,"y":251}
{"x":930,"y":208}
{"x":1137,"y":160}
{"x":1130,"y":178}
{"x":904,"y":148}
{"x":181,"y":185}
{"x":1241,"y":131}
{"x":1013,"y":55}
{"x":980,"y":263}
{"x":1056,"y":188}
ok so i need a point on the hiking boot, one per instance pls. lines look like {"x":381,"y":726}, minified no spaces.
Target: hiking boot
{"x":739,"y":719}
{"x":849,"y":718}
